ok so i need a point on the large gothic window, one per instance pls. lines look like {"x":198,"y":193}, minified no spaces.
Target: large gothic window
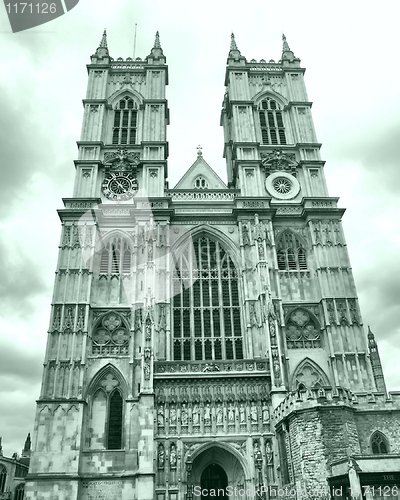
{"x":379,"y":443}
{"x":290,"y":253}
{"x":271,"y":122}
{"x":125,"y":122}
{"x":3,"y":477}
{"x":206,"y":314}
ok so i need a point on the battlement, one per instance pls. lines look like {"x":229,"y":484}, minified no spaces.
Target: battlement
{"x":327,"y":396}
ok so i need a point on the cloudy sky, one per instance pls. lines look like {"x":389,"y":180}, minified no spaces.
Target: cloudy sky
{"x":350,"y":50}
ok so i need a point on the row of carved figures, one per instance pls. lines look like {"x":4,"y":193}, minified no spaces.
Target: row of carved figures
{"x":197,"y":414}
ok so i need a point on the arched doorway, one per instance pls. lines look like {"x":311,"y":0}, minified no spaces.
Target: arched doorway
{"x":213,"y":478}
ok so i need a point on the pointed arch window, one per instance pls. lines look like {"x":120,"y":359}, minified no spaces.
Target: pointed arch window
{"x":291,"y":255}
{"x":125,"y":122}
{"x":19,"y":492}
{"x":206,"y":309}
{"x":379,"y":443}
{"x":271,"y":122}
{"x":200,"y":183}
{"x":106,"y":417}
{"x":3,"y":477}
{"x":115,"y":257}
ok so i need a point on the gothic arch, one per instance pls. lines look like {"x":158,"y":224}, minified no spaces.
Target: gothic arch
{"x":309,"y":375}
{"x":208,"y":231}
{"x":120,"y":94}
{"x":302,"y":330}
{"x":102,"y":375}
{"x":263,"y":94}
{"x":224,"y":446}
{"x":379,"y":443}
{"x":301,"y":240}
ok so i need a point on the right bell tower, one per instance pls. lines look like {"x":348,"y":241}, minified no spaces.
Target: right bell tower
{"x":273,"y":158}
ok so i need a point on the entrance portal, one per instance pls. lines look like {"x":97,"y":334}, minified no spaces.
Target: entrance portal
{"x":214,"y":478}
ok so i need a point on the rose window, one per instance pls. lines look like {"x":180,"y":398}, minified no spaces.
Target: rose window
{"x":111,"y":337}
{"x":282,"y":185}
{"x":302,"y":332}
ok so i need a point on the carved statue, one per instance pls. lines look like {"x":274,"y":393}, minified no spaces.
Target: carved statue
{"x":207,"y":414}
{"x":253,"y":413}
{"x":242,"y":414}
{"x":161,"y":456}
{"x":146,"y":369}
{"x":160,"y":416}
{"x":220,"y":414}
{"x":196,"y":415}
{"x":257,"y":451}
{"x":172,"y":456}
{"x":265,"y":413}
{"x":245,"y":231}
{"x":172,"y":415}
{"x":231,"y":414}
{"x":269,"y":453}
{"x":184,"y":415}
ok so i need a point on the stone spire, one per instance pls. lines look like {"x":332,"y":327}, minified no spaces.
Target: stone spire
{"x":234,"y":51}
{"x":156,"y":51}
{"x":287,"y":53}
{"x":103,"y":42}
{"x":27,"y":445}
{"x":376,"y":363}
{"x":102,"y":49}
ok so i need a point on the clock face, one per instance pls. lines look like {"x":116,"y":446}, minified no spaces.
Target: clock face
{"x":119,"y":186}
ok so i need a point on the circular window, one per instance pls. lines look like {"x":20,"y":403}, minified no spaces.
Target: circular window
{"x":282,"y":186}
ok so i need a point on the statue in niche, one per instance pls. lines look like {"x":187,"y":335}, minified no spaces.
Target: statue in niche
{"x":161,"y":456}
{"x":245,"y":231}
{"x":184,"y":415}
{"x":269,"y":454}
{"x":261,"y":252}
{"x":265,"y":413}
{"x":148,"y":328}
{"x":196,"y":415}
{"x":231,"y":414}
{"x":172,"y":415}
{"x":172,"y":456}
{"x":160,"y":416}
{"x":242,"y":414}
{"x":146,"y":369}
{"x":257,"y":452}
{"x":253,"y":413}
{"x":207,"y":414}
{"x":220,"y":414}
{"x":150,"y":250}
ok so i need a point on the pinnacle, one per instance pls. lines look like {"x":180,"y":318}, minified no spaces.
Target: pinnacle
{"x":103,"y":42}
{"x":157,"y":44}
{"x":233,"y":42}
{"x":285,"y":47}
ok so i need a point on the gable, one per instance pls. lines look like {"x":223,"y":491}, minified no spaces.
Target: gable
{"x":200,"y":169}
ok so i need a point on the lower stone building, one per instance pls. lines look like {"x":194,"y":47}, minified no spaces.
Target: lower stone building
{"x":13,"y":472}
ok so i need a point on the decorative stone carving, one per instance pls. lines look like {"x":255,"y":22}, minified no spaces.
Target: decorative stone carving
{"x":173,"y":456}
{"x":161,"y":456}
{"x":111,"y":336}
{"x":121,"y":160}
{"x":278,"y":160}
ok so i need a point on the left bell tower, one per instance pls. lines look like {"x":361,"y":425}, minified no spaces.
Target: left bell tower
{"x":93,"y":436}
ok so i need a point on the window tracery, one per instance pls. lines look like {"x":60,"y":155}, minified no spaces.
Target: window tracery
{"x":3,"y":477}
{"x":302,"y":331}
{"x":200,"y":183}
{"x":115,"y":258}
{"x":271,"y":122}
{"x":290,"y":253}
{"x":111,"y":337}
{"x":19,"y":492}
{"x":125,"y":122}
{"x":206,"y":315}
{"x":379,"y":444}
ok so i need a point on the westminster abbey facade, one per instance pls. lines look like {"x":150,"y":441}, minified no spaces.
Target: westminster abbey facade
{"x":207,"y":337}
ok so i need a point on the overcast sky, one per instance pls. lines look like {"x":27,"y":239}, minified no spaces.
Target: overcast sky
{"x":350,"y":50}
